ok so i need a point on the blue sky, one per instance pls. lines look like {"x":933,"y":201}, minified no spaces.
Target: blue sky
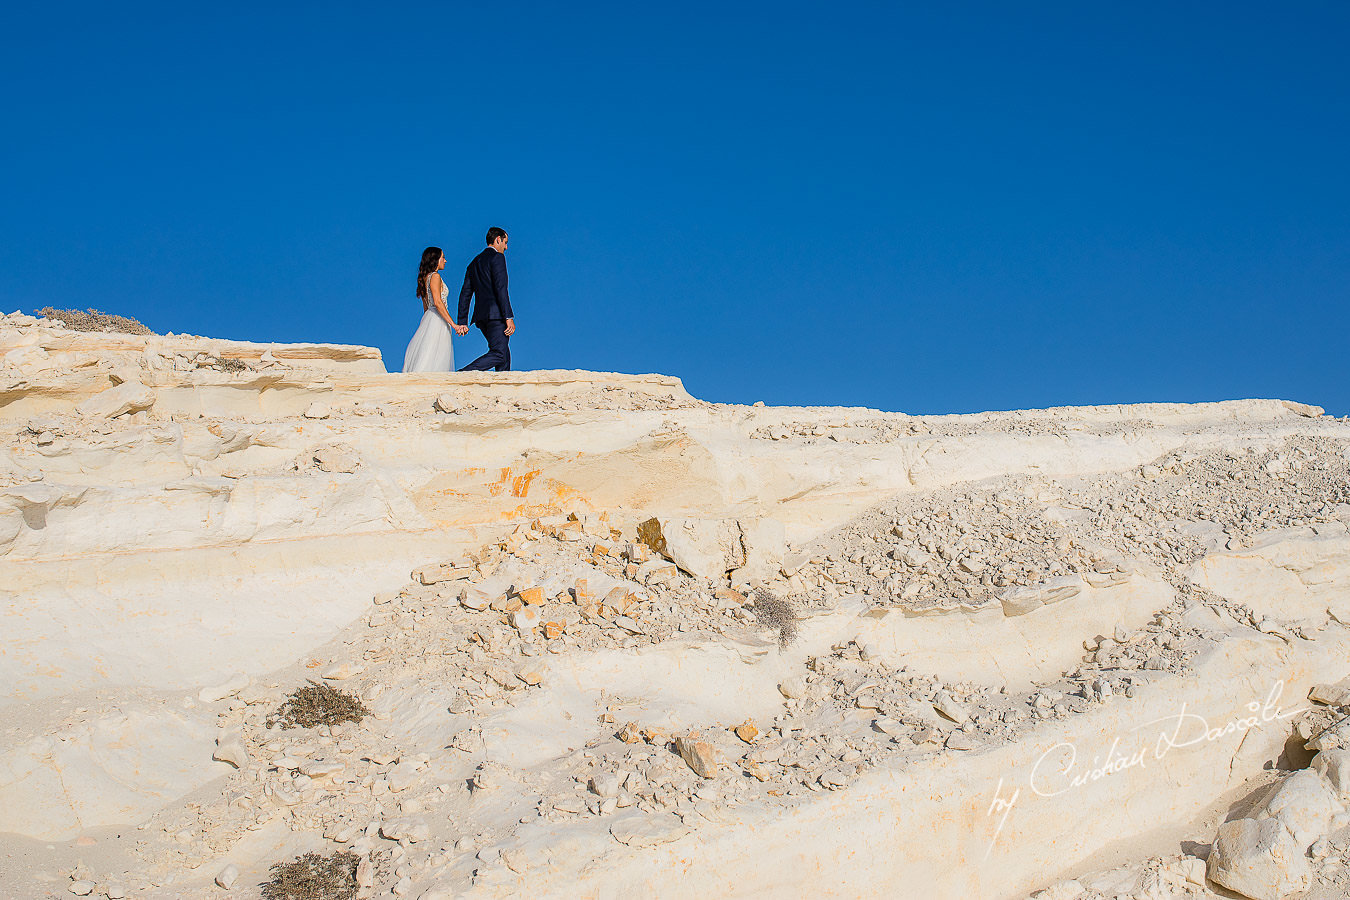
{"x":917,"y":207}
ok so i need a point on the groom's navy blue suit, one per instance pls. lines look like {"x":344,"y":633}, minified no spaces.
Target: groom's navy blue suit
{"x":485,"y":282}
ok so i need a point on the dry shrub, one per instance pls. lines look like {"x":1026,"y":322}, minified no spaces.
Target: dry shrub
{"x":317,"y":704}
{"x":314,"y":877}
{"x":776,"y":612}
{"x":93,"y":320}
{"x":229,"y":364}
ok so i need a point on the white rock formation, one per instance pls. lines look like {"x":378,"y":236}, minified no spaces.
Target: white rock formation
{"x":612,"y":638}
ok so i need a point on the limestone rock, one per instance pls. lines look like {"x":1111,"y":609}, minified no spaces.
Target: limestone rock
{"x":648,"y":831}
{"x":230,"y":749}
{"x":474,"y":598}
{"x":1019,"y":601}
{"x":604,"y":785}
{"x":127,"y":397}
{"x":1334,"y":766}
{"x":526,"y":618}
{"x":792,"y":562}
{"x":343,"y":670}
{"x":227,"y":876}
{"x":1330,"y":694}
{"x":405,"y":829}
{"x":708,"y":548}
{"x":1304,"y":803}
{"x":793,"y":688}
{"x":1258,"y":858}
{"x":947,"y":706}
{"x":531,"y":673}
{"x":439,"y":573}
{"x":318,"y":410}
{"x":699,"y":755}
{"x":343,"y":460}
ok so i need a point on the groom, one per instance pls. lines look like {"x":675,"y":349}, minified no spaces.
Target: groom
{"x":485,"y":279}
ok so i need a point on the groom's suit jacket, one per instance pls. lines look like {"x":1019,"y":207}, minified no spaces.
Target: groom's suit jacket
{"x":485,"y":281}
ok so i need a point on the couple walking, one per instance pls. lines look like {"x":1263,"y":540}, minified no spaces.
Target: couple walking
{"x":430,"y":349}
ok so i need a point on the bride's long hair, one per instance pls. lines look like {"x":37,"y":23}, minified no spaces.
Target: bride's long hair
{"x":431,"y":259}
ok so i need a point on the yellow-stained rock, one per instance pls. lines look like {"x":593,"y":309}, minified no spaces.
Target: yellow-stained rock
{"x":699,"y":755}
{"x":725,"y":593}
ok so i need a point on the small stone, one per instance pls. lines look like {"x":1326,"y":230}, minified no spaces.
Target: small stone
{"x":970,"y":565}
{"x":502,"y":677}
{"x":746,"y":731}
{"x":889,"y":726}
{"x":474,"y":599}
{"x":833,"y":779}
{"x":340,"y":460}
{"x":230,"y":749}
{"x":947,"y":706}
{"x":604,"y":785}
{"x":410,"y":830}
{"x":228,"y":876}
{"x":629,"y":625}
{"x":1330,"y":695}
{"x":342,"y":671}
{"x":525,"y":619}
{"x":441,"y":573}
{"x":365,"y":873}
{"x":734,"y":597}
{"x":531,"y":673}
{"x":793,"y":688}
{"x":533,"y":596}
{"x":318,"y":410}
{"x":793,"y":562}
{"x":699,"y":755}
{"x":554,"y":630}
{"x":446,"y":403}
{"x":319,"y":768}
{"x":960,"y":740}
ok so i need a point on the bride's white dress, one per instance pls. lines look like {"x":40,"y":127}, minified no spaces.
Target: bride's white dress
{"x":430,"y":349}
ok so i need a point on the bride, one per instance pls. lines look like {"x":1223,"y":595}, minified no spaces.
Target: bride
{"x":430,"y":349}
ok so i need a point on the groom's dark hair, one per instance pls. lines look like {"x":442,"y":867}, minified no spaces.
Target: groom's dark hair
{"x":493,"y":233}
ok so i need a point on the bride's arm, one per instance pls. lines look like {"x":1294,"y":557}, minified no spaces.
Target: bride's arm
{"x":434,"y":292}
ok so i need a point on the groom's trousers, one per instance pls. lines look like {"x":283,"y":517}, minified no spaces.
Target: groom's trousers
{"x":498,"y":355}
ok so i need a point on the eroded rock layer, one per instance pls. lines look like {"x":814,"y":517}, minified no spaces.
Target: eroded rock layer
{"x":605,"y":639}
